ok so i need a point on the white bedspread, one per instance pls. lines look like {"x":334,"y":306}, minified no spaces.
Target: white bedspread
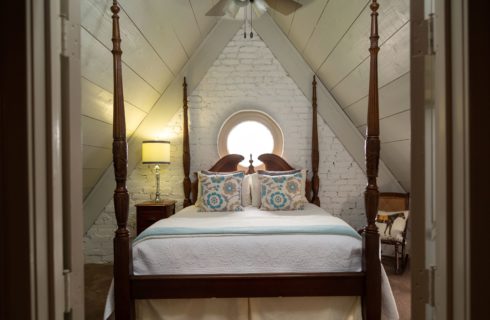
{"x":238,"y":253}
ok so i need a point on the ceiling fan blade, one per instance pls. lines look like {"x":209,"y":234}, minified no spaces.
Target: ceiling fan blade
{"x":285,"y":7}
{"x":218,"y":10}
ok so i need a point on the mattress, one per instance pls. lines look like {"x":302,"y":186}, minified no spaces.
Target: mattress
{"x":285,"y":244}
{"x":247,"y":253}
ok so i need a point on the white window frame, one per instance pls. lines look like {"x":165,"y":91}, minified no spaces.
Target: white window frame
{"x":250,"y":115}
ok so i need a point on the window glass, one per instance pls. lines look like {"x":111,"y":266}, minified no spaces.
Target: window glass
{"x":250,"y":138}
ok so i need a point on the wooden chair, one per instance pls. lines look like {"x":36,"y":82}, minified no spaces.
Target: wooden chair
{"x":390,"y":201}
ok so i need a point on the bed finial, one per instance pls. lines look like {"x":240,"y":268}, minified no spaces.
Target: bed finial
{"x":122,"y":254}
{"x":371,"y":195}
{"x":251,"y":168}
{"x":186,"y":155}
{"x":315,"y":154}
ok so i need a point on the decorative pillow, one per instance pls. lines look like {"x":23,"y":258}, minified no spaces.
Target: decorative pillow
{"x":221,"y":192}
{"x":282,"y":192}
{"x":255,"y":183}
{"x":246,"y":186}
{"x":391,"y":224}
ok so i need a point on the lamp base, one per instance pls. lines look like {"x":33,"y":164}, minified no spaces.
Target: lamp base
{"x":157,"y":176}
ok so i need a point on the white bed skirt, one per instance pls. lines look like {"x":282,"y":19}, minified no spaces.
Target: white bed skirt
{"x":334,"y":308}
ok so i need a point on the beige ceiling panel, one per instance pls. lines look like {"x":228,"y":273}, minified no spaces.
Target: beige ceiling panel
{"x":86,"y":191}
{"x":393,"y":98}
{"x":180,"y":13}
{"x":393,"y":128}
{"x":90,"y":176}
{"x":96,"y":133}
{"x":353,"y":48}
{"x":394,"y":61}
{"x":137,"y":52}
{"x":283,"y":21}
{"x":304,"y":22}
{"x":97,"y":67}
{"x":397,"y":157}
{"x":96,"y":158}
{"x":151,"y":18}
{"x":97,"y":103}
{"x":200,"y":7}
{"x":335,"y":21}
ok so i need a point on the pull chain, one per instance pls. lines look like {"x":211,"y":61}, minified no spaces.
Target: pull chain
{"x":245,"y":25}
{"x":251,"y":20}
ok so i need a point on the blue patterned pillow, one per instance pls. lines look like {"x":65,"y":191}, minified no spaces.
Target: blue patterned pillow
{"x":221,"y":192}
{"x":282,"y":192}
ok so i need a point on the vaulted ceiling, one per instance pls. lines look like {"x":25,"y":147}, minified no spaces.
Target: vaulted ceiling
{"x":161,"y":36}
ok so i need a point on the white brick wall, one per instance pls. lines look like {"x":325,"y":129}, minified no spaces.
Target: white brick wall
{"x":245,"y":76}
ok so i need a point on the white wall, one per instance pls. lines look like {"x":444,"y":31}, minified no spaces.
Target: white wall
{"x":245,"y":76}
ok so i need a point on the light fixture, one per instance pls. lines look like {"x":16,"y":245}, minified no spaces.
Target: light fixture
{"x":245,"y":10}
{"x":156,"y":152}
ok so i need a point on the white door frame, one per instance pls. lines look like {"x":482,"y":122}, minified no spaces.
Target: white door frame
{"x":440,"y":187}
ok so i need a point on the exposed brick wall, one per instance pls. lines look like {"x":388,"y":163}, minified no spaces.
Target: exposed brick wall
{"x":245,"y":76}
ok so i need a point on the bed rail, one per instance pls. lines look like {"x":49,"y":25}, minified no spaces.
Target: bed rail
{"x":248,"y":285}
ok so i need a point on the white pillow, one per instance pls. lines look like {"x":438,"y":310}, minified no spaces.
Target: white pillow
{"x":246,"y":192}
{"x":255,"y":187}
{"x":391,"y":224}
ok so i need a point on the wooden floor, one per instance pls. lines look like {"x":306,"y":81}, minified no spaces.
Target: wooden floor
{"x":98,"y":279}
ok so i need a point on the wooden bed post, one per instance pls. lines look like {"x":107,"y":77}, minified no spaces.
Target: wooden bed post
{"x":186,"y":155}
{"x":122,"y":254}
{"x":372,"y":264}
{"x":315,"y":156}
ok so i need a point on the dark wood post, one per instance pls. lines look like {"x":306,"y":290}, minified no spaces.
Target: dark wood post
{"x":186,"y":155}
{"x":315,"y":156}
{"x":372,"y":265}
{"x":122,"y":254}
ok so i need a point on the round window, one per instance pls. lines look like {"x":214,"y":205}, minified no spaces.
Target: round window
{"x":250,"y":133}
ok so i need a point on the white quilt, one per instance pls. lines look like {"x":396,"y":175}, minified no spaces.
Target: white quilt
{"x":237,"y":253}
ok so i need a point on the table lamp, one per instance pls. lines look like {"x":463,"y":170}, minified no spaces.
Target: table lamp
{"x":156,"y":152}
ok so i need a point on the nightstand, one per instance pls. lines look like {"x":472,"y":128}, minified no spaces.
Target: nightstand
{"x":149,"y":212}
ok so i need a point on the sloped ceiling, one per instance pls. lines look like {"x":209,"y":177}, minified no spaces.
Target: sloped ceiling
{"x":160,"y":36}
{"x":332,"y":36}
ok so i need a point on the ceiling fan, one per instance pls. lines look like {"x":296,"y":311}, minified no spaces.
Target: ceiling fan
{"x":231,"y":7}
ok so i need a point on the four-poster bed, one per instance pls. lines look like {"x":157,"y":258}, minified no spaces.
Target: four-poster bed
{"x":128,"y":287}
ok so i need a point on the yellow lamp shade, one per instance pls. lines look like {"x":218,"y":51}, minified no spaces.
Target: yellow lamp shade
{"x":155,"y":152}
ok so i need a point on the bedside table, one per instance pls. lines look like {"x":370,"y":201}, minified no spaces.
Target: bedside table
{"x":149,"y":212}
